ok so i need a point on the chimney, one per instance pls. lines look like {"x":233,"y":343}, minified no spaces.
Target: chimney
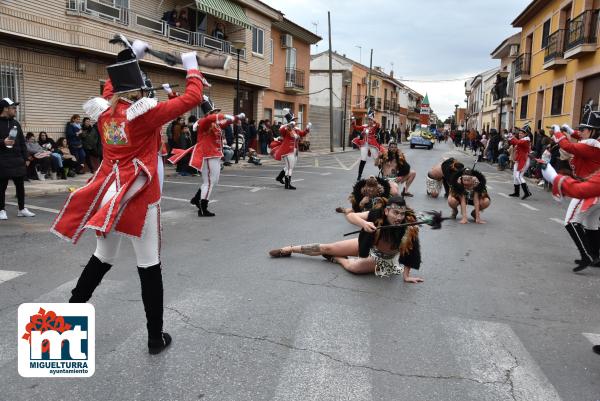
{"x":392,"y":74}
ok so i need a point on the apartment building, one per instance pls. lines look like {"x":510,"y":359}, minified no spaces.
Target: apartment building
{"x":558,"y":67}
{"x":54,"y":53}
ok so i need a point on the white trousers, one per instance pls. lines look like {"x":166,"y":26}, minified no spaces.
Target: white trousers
{"x":211,"y":171}
{"x":146,"y":248}
{"x":289,"y":162}
{"x":364,"y":152}
{"x":590,"y":219}
{"x":518,"y":174}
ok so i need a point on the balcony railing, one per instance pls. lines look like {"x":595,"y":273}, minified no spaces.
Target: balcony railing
{"x":556,"y":46}
{"x":294,"y":79}
{"x":139,"y":22}
{"x":378,"y":104}
{"x":522,"y":65}
{"x":386,"y":104}
{"x":582,"y":30}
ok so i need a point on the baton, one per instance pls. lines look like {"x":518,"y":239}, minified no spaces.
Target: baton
{"x":434,"y":220}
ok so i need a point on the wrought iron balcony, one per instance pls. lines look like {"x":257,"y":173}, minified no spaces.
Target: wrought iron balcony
{"x":522,"y":67}
{"x":378,"y":104}
{"x":141,"y":23}
{"x":554,"y":52}
{"x":294,"y":79}
{"x":582,"y":34}
{"x":387,"y":104}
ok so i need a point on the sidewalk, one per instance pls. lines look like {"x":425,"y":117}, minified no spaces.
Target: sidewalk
{"x":34,"y":188}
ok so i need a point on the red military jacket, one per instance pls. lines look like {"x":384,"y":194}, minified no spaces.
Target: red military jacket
{"x":289,"y":145}
{"x":522,"y":149}
{"x":209,"y":143}
{"x":131,"y":141}
{"x":586,"y":154}
{"x":367,"y":135}
{"x":588,"y":191}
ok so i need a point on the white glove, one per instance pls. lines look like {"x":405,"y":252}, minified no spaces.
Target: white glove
{"x":549,"y":173}
{"x":308,"y":126}
{"x":167,"y":88}
{"x":353,"y":118}
{"x":555,"y":129}
{"x":189,"y":61}
{"x":195,"y":126}
{"x":139,"y":48}
{"x":229,"y":117}
{"x":240,"y":116}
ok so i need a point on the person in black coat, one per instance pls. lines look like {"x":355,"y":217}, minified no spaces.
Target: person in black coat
{"x":13,"y":154}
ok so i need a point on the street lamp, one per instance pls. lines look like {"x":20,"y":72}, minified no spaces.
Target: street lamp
{"x":456,"y":117}
{"x":238,"y":46}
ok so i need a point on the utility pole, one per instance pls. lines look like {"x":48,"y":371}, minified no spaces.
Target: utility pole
{"x":369,"y":86}
{"x":330,"y":86}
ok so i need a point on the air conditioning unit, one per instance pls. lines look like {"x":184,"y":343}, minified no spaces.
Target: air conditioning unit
{"x":287,"y":40}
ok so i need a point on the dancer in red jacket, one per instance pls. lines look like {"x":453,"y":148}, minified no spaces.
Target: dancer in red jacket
{"x":367,"y":141}
{"x":287,"y":149}
{"x":123,"y":196}
{"x":522,"y":147}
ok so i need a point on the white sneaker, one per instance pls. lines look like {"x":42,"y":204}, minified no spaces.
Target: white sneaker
{"x":3,"y":215}
{"x":25,"y":213}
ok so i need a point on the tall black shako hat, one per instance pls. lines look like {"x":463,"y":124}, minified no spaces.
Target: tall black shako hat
{"x":591,"y":118}
{"x":289,"y":116}
{"x":126,"y":75}
{"x":208,"y":106}
{"x":525,"y":128}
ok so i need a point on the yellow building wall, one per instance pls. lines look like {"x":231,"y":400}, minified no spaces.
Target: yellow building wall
{"x":544,"y":80}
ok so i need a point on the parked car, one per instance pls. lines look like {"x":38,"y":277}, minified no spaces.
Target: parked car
{"x":421,"y":138}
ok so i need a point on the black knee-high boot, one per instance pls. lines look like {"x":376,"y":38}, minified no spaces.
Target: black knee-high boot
{"x":579,"y":237}
{"x":196,"y":199}
{"x":593,"y":237}
{"x":361,"y":167}
{"x":517,"y":191}
{"x":203,"y":212}
{"x":90,"y":278}
{"x":526,"y":193}
{"x":288,"y":183}
{"x":152,"y":297}
{"x":280,"y":177}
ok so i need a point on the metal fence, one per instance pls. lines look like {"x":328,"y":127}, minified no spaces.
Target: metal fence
{"x":11,"y":85}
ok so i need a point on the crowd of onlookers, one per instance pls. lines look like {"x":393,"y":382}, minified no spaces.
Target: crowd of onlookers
{"x":494,"y":148}
{"x":180,"y":18}
{"x":78,"y":149}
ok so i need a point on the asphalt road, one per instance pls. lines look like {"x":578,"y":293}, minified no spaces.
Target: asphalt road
{"x":500,"y":315}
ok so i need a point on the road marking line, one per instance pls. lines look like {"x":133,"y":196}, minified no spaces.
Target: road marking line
{"x":43,"y":209}
{"x":592,"y":337}
{"x":354,"y":164}
{"x":490,"y":187}
{"x":325,"y":173}
{"x":340,"y":162}
{"x":6,"y":275}
{"x":218,"y":185}
{"x":254,"y":176}
{"x":492,"y":352}
{"x":255,"y":189}
{"x":503,"y":194}
{"x":529,"y":206}
{"x":559,"y":221}
{"x":316,"y":162}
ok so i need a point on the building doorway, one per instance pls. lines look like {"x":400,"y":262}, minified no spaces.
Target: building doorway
{"x":539,"y":110}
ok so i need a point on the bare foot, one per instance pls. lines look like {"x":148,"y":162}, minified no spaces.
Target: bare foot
{"x":464,"y":221}
{"x":480,"y":221}
{"x":413,"y":280}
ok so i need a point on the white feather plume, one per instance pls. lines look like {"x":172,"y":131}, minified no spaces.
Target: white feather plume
{"x":95,"y":107}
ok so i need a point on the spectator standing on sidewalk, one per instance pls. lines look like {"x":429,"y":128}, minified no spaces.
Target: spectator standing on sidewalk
{"x":13,"y":153}
{"x":73,"y":134}
{"x":91,"y":144}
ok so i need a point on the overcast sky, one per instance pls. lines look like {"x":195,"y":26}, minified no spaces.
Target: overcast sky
{"x":425,"y":39}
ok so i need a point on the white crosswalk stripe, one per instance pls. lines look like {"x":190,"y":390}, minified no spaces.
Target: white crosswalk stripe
{"x":336,"y":338}
{"x":492,"y":354}
{"x":6,"y":275}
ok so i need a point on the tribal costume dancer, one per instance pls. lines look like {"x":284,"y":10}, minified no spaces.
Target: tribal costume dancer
{"x":367,"y":194}
{"x":468,"y":188}
{"x":367,"y":141}
{"x":207,"y":152}
{"x":288,"y":148}
{"x":583,"y":215}
{"x":123,"y":196}
{"x":522,"y":147}
{"x":384,"y":252}
{"x":394,"y":168}
{"x":441,"y":174}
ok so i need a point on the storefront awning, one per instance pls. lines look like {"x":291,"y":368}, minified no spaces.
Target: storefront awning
{"x":225,"y":10}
